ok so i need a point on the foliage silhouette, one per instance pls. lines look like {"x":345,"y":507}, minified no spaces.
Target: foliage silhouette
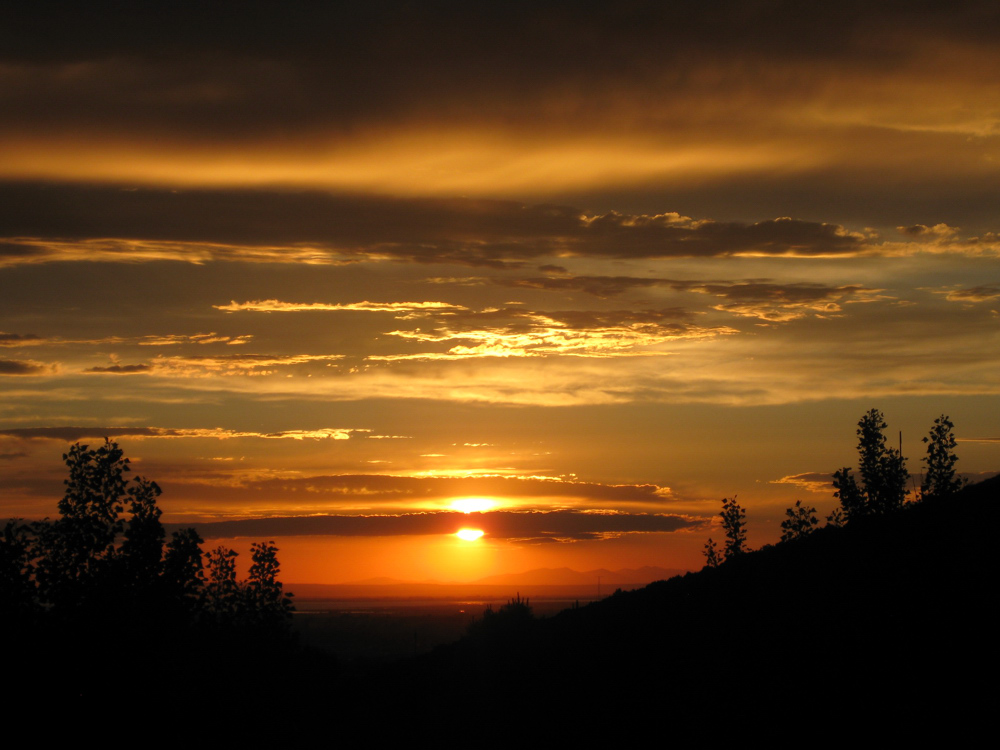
{"x":266,"y":601}
{"x":223,"y":595}
{"x":800,"y":522}
{"x":940,"y":480}
{"x":104,"y":559}
{"x":836,"y":519}
{"x":509,"y":620}
{"x":734,"y":521}
{"x":713,"y":558}
{"x":17,"y":590}
{"x":883,"y":473}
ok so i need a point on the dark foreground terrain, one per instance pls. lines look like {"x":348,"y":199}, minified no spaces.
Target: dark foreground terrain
{"x":886,"y":626}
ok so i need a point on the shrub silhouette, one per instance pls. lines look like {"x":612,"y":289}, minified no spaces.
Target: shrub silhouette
{"x":883,"y":473}
{"x":93,"y":565}
{"x":734,"y":523}
{"x":800,"y":522}
{"x":511,"y":618}
{"x":940,"y":480}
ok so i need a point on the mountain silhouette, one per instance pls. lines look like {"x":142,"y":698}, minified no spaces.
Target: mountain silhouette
{"x":884,"y":621}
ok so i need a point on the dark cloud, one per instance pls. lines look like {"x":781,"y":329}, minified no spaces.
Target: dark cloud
{"x":793,"y":294}
{"x":526,"y":526}
{"x":16,"y":367}
{"x":16,"y":339}
{"x":599,"y":286}
{"x":121,"y":369}
{"x":254,"y":70}
{"x":72,"y":434}
{"x":517,"y":320}
{"x":386,"y":489}
{"x":259,"y":225}
{"x":737,"y":291}
{"x":672,"y":235}
{"x":980,"y":293}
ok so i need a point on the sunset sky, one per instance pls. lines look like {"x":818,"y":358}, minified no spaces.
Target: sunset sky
{"x":336,"y":274}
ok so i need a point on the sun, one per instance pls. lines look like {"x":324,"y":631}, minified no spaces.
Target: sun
{"x":472,"y":504}
{"x":469,"y":535}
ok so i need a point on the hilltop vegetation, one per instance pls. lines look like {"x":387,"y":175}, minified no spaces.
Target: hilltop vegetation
{"x":97,"y":594}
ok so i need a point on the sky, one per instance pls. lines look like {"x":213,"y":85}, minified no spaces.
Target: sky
{"x":353,"y":277}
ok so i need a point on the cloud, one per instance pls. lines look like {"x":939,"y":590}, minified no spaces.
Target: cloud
{"x":23,"y":367}
{"x":121,"y":369}
{"x":431,"y":98}
{"x":522,"y":526}
{"x":273,"y":305}
{"x":941,"y":232}
{"x":72,"y":434}
{"x":256,"y":226}
{"x":598,"y":286}
{"x":515,"y":332}
{"x":235,"y":364}
{"x":73,"y":223}
{"x":784,"y":302}
{"x":980,"y":293}
{"x":197,"y":338}
{"x":810,"y":481}
{"x":387,"y":489}
{"x":14,"y":339}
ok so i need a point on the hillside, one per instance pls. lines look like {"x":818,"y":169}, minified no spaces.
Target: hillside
{"x":887,"y":619}
{"x":884,"y":626}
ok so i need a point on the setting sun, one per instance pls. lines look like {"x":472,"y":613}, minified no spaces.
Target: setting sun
{"x":473,"y":504}
{"x":469,"y":535}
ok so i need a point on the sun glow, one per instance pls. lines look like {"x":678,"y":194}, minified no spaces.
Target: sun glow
{"x":473,"y":504}
{"x":469,"y":535}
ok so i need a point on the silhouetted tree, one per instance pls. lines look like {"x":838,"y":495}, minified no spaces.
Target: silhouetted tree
{"x":713,"y":558}
{"x":223,"y":594}
{"x":142,"y":549}
{"x":183,"y":575}
{"x":836,"y":519}
{"x":940,"y":480}
{"x":800,"y":522}
{"x":510,"y":619}
{"x":77,"y":564}
{"x":91,"y":566}
{"x":734,"y":521}
{"x":17,"y":590}
{"x":270,"y":605}
{"x":883,"y":473}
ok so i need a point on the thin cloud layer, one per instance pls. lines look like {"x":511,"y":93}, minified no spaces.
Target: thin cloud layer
{"x":73,"y":434}
{"x":512,"y":332}
{"x":530,"y":527}
{"x":810,"y":481}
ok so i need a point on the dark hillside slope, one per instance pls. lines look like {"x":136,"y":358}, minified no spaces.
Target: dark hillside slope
{"x":888,"y":620}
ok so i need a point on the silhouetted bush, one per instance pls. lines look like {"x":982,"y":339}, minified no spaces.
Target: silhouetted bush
{"x":94,"y":566}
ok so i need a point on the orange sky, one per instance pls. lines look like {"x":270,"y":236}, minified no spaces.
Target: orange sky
{"x":346,"y":266}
